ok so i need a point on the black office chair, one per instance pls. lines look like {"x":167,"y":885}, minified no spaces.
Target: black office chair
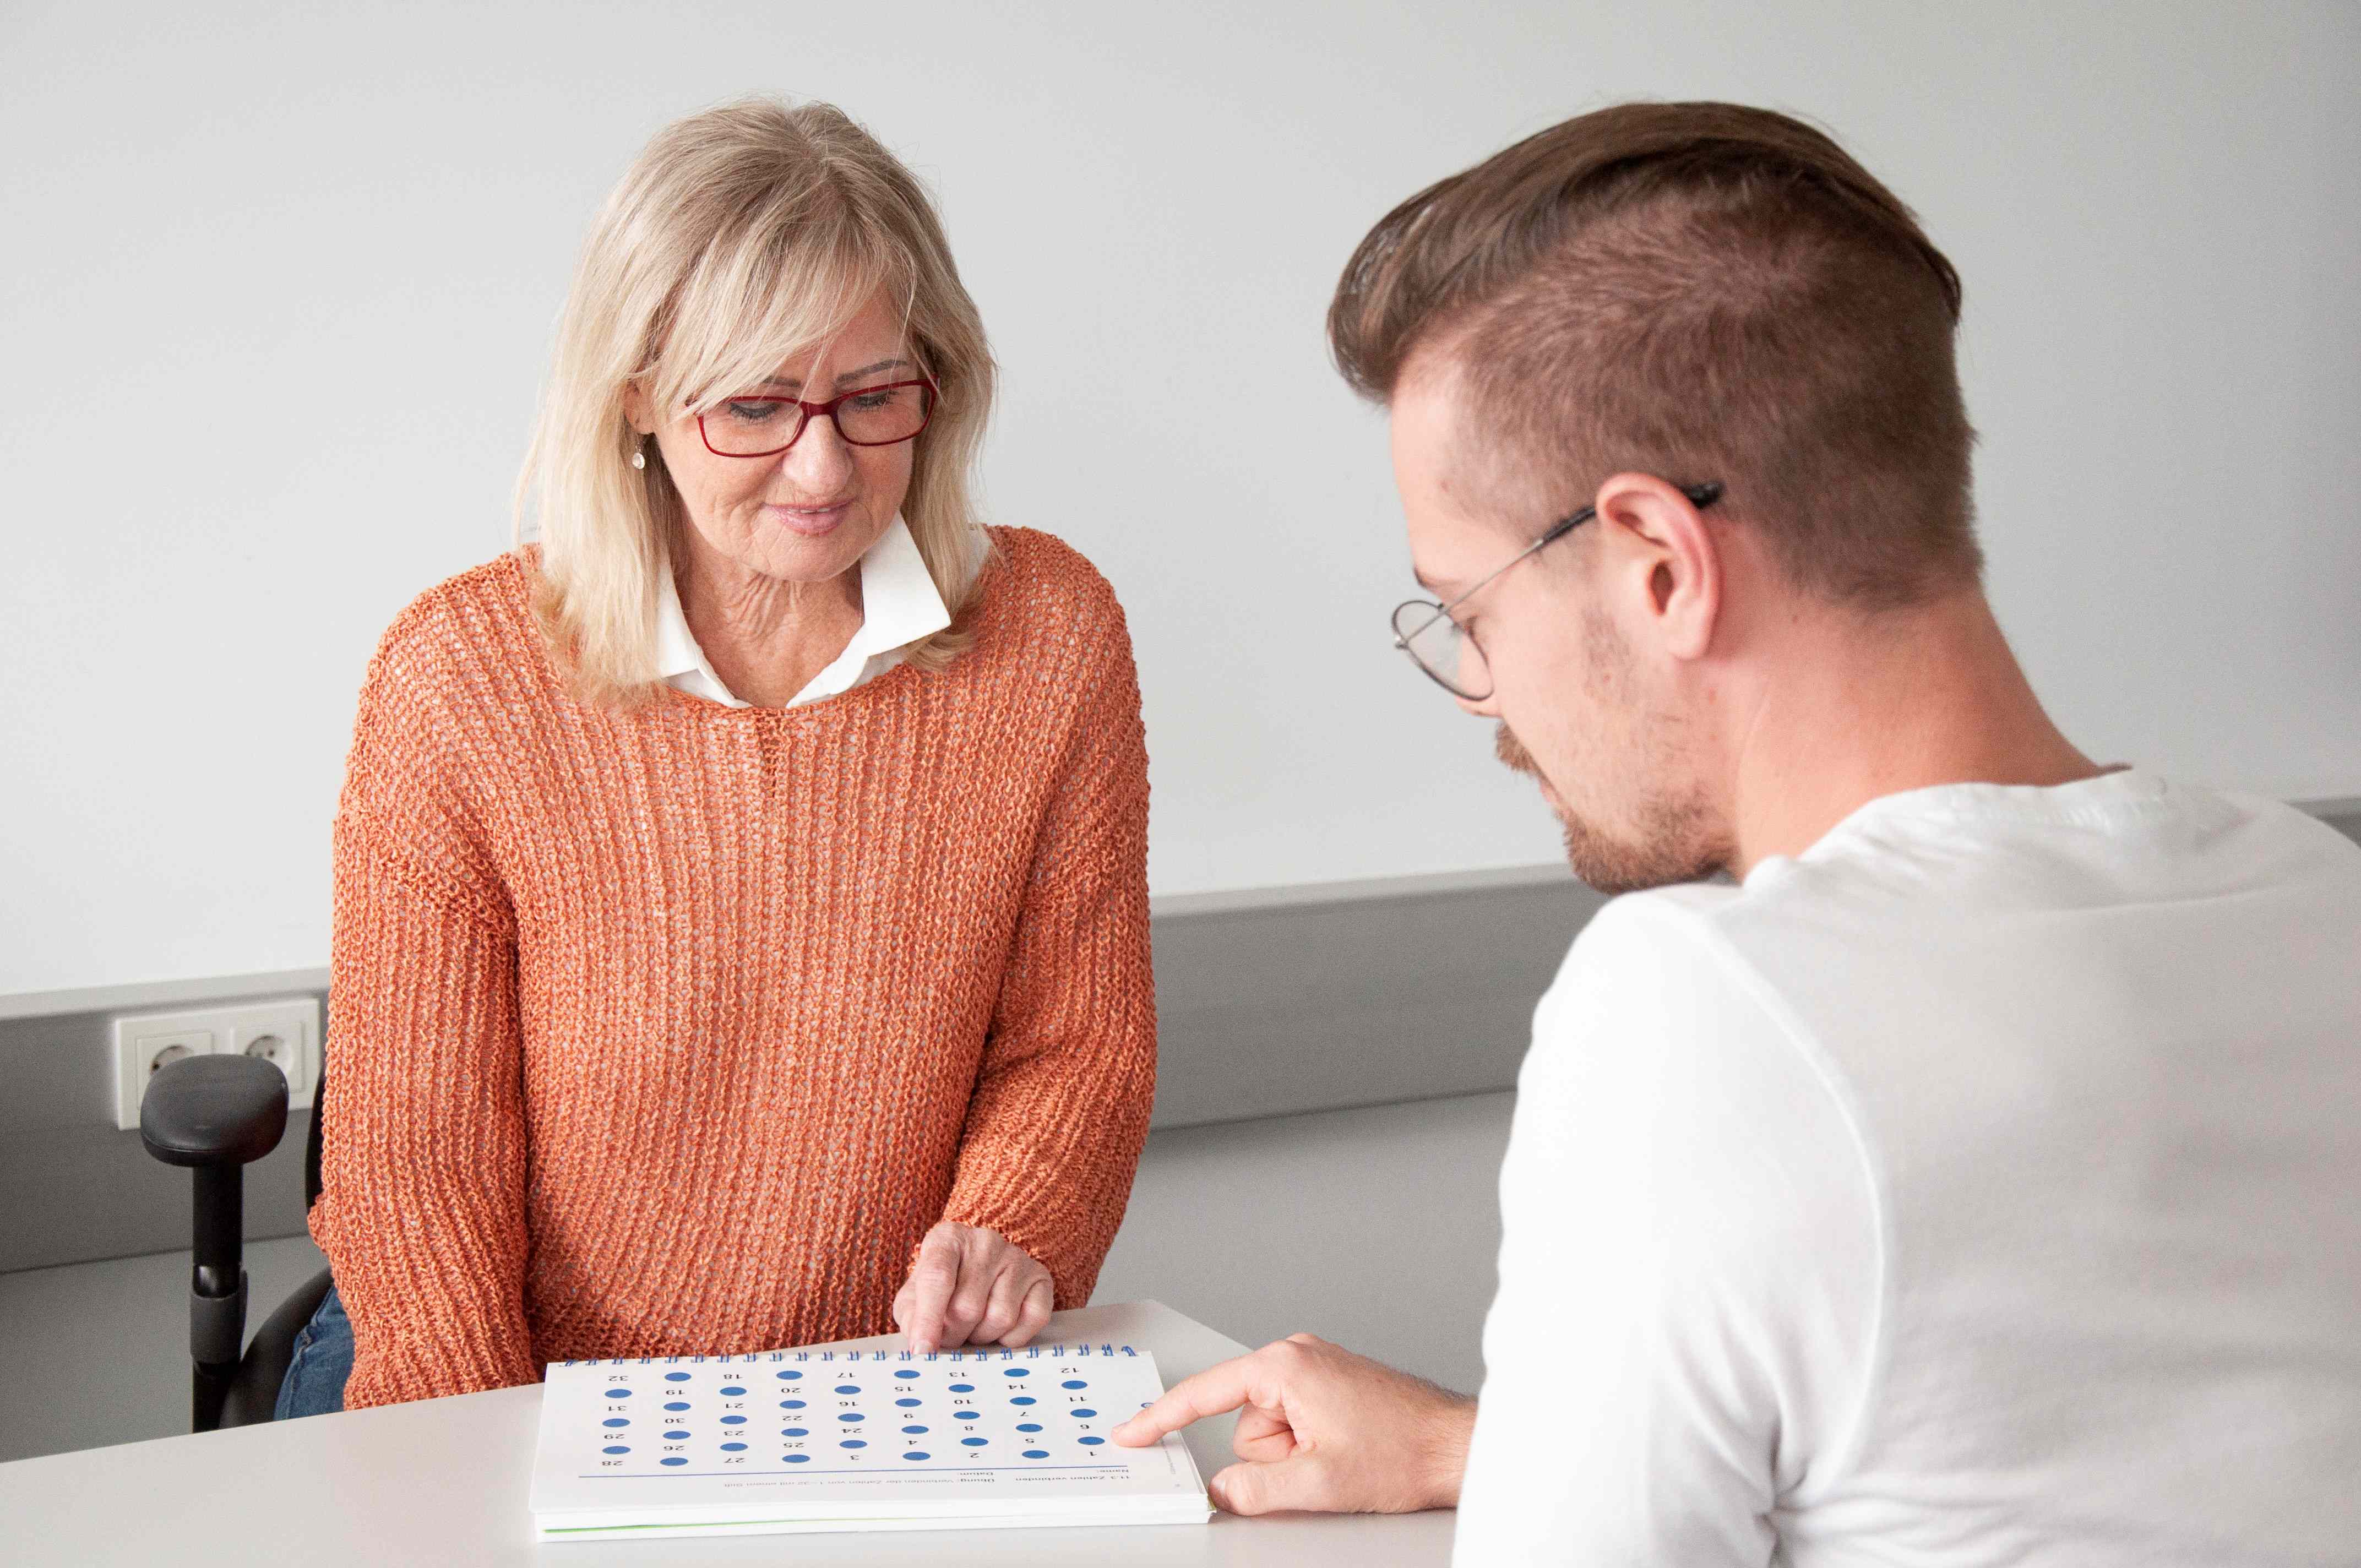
{"x":218,"y":1115}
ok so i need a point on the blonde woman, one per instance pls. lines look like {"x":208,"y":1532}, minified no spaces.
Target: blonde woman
{"x":740,"y":905}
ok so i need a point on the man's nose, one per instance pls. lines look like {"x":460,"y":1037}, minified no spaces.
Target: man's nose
{"x":1479,"y":707}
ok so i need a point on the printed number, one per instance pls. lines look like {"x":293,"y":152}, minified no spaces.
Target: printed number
{"x":674,"y":1447}
{"x":610,"y":1463}
{"x":795,"y":1446}
{"x":735,"y":1459}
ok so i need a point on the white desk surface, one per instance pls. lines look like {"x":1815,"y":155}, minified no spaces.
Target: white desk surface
{"x":443,"y":1481}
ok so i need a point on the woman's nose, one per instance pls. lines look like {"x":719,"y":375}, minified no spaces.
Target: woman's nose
{"x":820,"y":458}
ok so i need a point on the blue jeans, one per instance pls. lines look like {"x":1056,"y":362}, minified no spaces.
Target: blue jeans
{"x":314,"y":1385}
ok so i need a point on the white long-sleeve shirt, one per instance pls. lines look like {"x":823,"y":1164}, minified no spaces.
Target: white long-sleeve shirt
{"x":1981,"y":1185}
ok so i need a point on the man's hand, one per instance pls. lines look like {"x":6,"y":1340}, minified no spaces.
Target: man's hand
{"x":971,"y":1286}
{"x":1322,"y":1430}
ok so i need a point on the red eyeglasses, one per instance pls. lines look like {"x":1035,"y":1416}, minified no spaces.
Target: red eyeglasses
{"x":866,"y":416}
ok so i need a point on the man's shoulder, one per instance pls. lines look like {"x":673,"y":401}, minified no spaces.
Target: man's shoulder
{"x":1657,"y":974}
{"x":1645,"y":941}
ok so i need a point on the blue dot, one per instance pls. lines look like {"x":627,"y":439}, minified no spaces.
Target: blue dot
{"x":1037,"y":1453}
{"x":1079,"y":1413}
{"x":973,"y":1441}
{"x":789,"y":1376}
{"x":912,"y":1432}
{"x":733,"y":1421}
{"x":1024,"y":1399}
{"x":734,"y":1391}
{"x":794,"y":1431}
{"x":675,"y":1433}
{"x":1068,"y":1383}
{"x":791,"y":1404}
{"x":674,"y":1459}
{"x":619,"y":1393}
{"x":798,"y":1458}
{"x":905,"y":1371}
{"x":618,"y":1448}
{"x":852,"y":1443}
{"x":1029,"y":1426}
{"x":963,"y":1388}
{"x":907,"y":1404}
{"x":1017,"y":1371}
{"x":1094,"y":1442}
{"x":733,"y":1448}
{"x":675,"y":1376}
{"x":615,"y":1421}
{"x":847,"y":1388}
{"x":676,"y":1404}
{"x":917,"y":1453}
{"x":850,"y":1416}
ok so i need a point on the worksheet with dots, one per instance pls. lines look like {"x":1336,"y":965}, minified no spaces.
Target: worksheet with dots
{"x":796,"y":1440}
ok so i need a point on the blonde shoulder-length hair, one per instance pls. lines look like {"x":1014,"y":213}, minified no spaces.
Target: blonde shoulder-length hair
{"x":739,"y":238}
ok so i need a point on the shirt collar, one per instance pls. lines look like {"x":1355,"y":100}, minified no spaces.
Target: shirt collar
{"x":899,"y":601}
{"x":899,"y":605}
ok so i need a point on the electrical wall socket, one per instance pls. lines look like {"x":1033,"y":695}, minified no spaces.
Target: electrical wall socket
{"x":284,"y":1031}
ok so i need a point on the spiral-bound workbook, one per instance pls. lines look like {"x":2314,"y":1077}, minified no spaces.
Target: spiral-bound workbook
{"x":821,"y":1440}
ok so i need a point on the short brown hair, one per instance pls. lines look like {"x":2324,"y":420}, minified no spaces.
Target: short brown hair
{"x":1698,"y":291}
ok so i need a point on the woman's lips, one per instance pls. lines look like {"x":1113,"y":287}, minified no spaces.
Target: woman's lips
{"x":807,"y":521}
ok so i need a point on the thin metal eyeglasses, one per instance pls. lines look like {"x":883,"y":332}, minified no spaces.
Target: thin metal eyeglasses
{"x":1441,"y":649}
{"x":882,"y":415}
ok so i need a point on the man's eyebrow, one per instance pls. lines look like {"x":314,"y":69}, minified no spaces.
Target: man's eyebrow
{"x":848,"y":376}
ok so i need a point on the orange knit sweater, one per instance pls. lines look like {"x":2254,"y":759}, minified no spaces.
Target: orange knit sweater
{"x":673,"y":1030}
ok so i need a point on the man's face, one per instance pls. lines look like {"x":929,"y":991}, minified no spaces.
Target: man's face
{"x":1585,"y":705}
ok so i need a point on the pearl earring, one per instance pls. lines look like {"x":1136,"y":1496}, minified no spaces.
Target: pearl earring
{"x":639,"y":458}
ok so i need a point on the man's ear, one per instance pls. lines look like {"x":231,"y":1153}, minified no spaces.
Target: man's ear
{"x":1667,"y":558}
{"x":635,"y":408}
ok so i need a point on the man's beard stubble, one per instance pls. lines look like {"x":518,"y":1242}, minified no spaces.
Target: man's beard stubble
{"x":1677,"y":842}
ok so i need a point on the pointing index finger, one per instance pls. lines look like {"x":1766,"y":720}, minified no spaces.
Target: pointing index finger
{"x":932,"y":1279}
{"x":1213,"y":1392}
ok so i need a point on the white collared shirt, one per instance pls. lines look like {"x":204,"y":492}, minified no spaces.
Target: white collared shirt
{"x":899,"y":605}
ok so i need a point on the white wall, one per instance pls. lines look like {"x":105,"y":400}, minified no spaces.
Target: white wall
{"x":316,"y":251}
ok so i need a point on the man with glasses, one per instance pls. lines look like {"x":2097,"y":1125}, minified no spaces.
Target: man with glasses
{"x":1946,"y":1152}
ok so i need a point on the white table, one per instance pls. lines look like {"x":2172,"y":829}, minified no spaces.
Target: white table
{"x":443,"y":1481}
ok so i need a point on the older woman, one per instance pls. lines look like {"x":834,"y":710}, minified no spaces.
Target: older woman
{"x":741,"y":908}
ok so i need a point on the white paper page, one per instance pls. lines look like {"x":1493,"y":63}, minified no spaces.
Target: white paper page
{"x":855,"y":1440}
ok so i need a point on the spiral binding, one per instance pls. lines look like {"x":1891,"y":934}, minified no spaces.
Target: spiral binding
{"x":1058,"y":1351}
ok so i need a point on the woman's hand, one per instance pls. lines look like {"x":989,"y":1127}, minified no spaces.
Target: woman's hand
{"x":971,"y":1286}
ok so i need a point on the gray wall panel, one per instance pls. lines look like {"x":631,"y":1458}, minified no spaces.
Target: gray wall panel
{"x":1269,"y":1003}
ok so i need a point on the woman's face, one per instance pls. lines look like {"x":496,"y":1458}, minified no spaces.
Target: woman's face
{"x":806,"y":514}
